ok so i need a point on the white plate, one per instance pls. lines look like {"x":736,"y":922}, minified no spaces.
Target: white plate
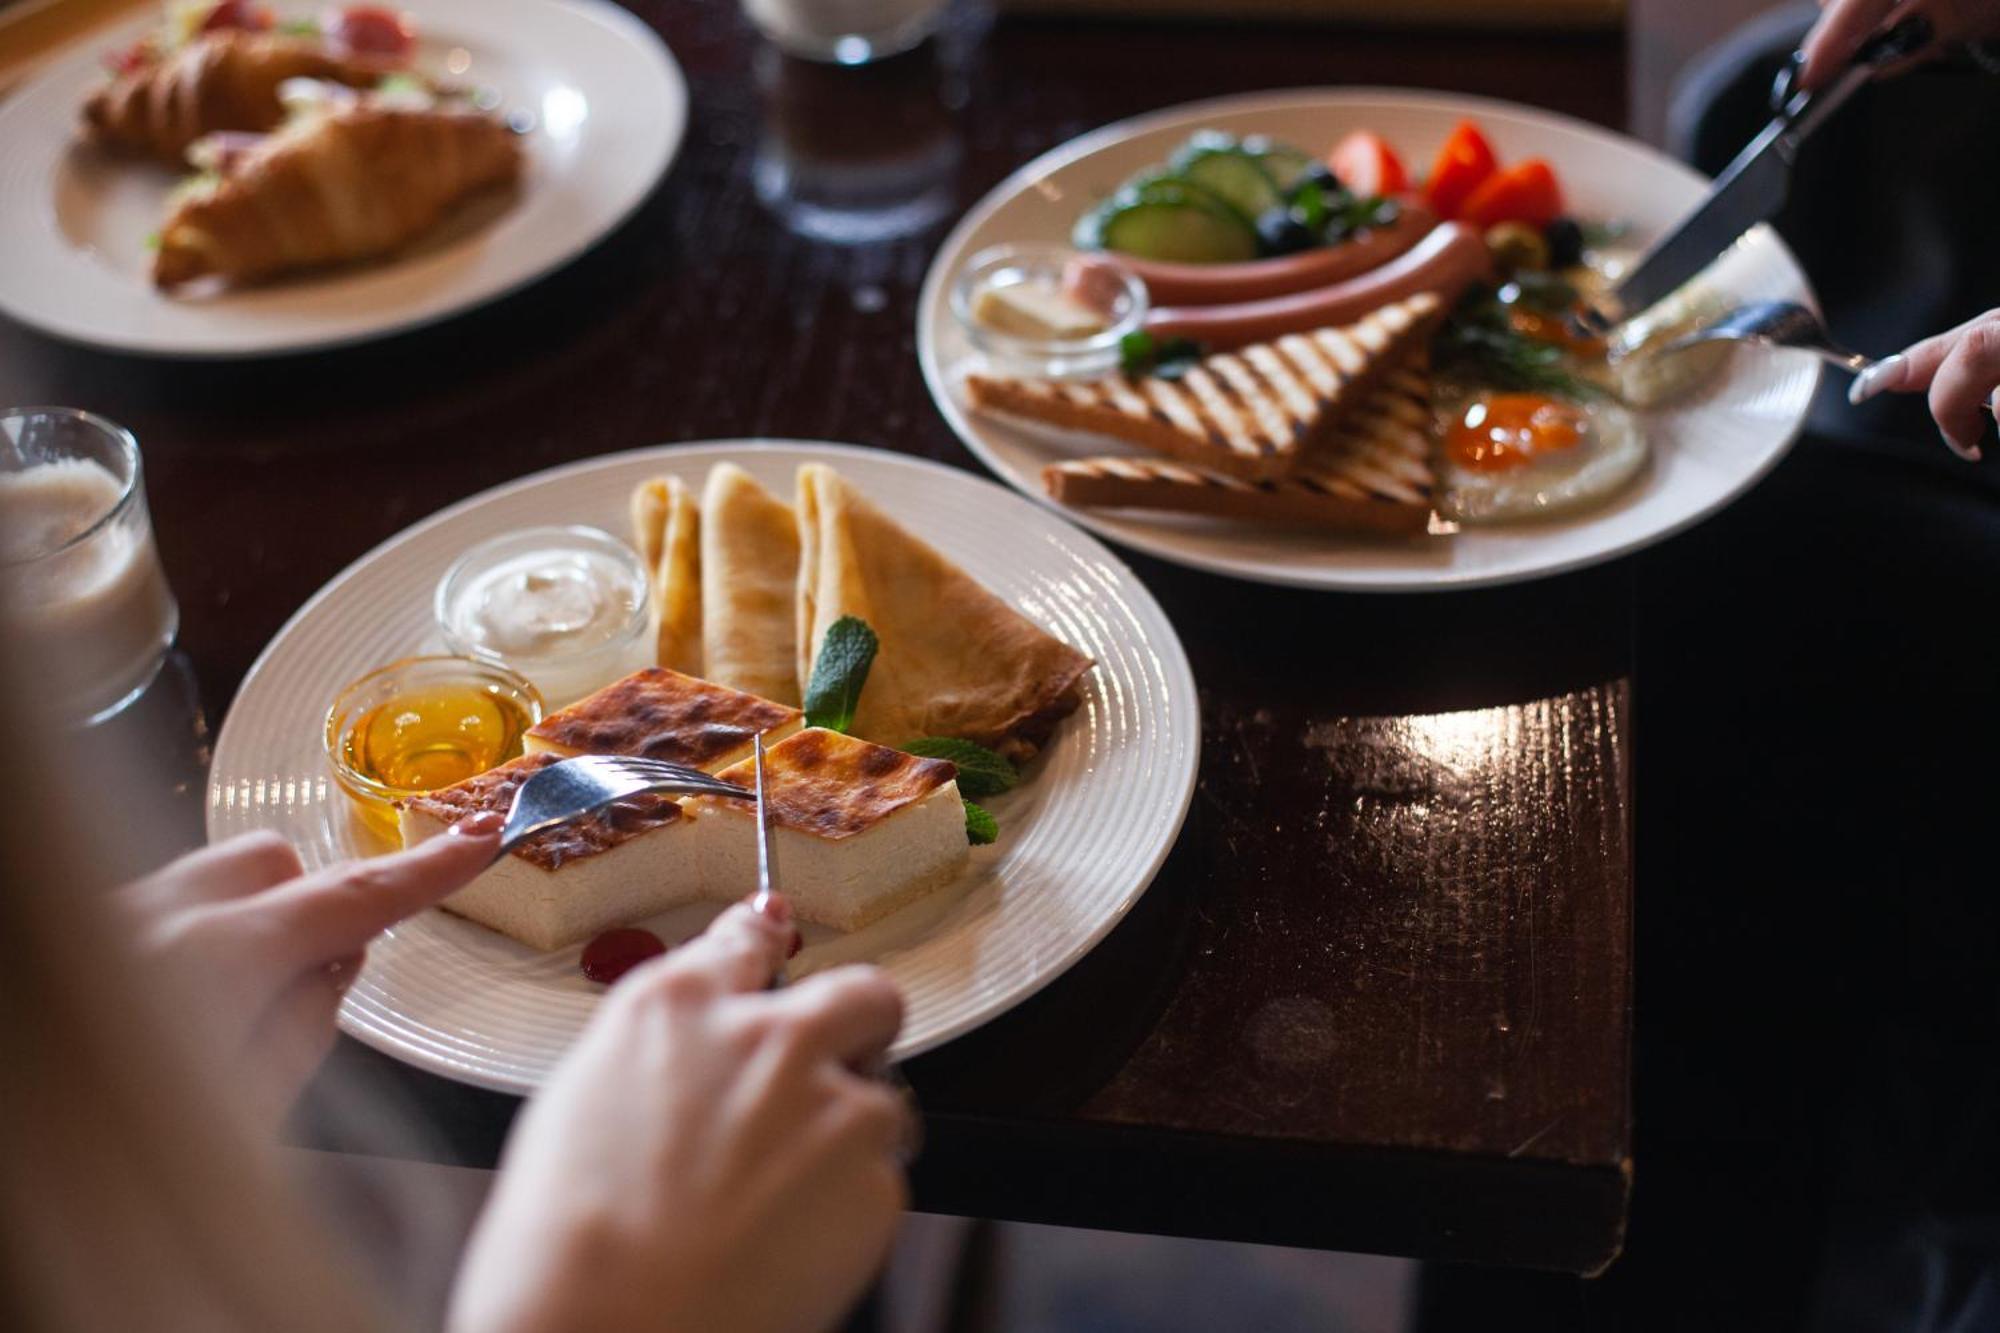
{"x":609,"y":105}
{"x":1080,"y":838}
{"x":1707,"y":450}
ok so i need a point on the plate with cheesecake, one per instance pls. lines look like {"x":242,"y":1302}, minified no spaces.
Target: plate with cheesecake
{"x":1330,"y":338}
{"x":980,"y":734}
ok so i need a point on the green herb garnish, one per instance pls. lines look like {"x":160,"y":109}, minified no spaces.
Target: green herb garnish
{"x":152,"y":240}
{"x":299,"y":28}
{"x":401,"y":84}
{"x":980,"y":826}
{"x":1309,"y":205}
{"x":845,"y":654}
{"x":1596,"y":235}
{"x":981,"y":772}
{"x":1140,"y":353}
{"x":1479,"y":344}
{"x":1354,"y":213}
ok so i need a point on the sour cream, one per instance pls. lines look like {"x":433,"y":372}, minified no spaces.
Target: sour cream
{"x":565,"y":607}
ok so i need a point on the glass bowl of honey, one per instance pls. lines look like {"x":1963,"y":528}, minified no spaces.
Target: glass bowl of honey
{"x":421,"y":724}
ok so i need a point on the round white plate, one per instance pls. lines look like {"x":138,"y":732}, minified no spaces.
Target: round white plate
{"x":609,"y":108}
{"x":1080,"y":838}
{"x":1707,"y":450}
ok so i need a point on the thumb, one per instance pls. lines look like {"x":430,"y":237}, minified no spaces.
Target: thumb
{"x":331,"y":914}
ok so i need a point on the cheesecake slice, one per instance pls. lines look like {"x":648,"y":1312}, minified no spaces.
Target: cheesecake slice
{"x":859,"y":830}
{"x":661,"y":714}
{"x":630,"y":861}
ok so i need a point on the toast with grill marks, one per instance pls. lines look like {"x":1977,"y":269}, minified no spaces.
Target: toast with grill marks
{"x":1372,"y":475}
{"x":1254,"y":413}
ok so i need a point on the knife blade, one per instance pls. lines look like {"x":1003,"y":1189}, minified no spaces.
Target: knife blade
{"x":767,"y":865}
{"x":1752,"y":188}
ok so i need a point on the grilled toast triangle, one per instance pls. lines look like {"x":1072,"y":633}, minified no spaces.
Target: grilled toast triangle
{"x":1253,"y":413}
{"x":1372,"y":474}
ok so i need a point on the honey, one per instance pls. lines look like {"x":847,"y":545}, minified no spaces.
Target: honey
{"x":436,"y":737}
{"x":422,"y":724}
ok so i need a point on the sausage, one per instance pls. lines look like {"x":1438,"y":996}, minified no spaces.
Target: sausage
{"x":1169,"y":284}
{"x":1447,"y":261}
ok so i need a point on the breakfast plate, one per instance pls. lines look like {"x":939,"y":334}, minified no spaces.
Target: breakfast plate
{"x":1081,"y":839}
{"x":607,"y":107}
{"x":1707,"y":448}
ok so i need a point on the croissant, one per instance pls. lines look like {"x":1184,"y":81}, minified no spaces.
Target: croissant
{"x":354,"y":183}
{"x":222,"y":81}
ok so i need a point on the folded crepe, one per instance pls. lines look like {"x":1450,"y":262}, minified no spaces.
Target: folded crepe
{"x":666,"y":522}
{"x":749,"y":582}
{"x":954,"y":659}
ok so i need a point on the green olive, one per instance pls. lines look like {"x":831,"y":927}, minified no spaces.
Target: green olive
{"x":1516,"y":245}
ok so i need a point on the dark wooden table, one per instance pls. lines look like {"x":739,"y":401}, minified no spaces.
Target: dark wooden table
{"x":1379,"y":998}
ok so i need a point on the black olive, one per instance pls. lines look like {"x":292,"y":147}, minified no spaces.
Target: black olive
{"x":1279,"y":232}
{"x":1565,"y":240}
{"x":1320,"y":174}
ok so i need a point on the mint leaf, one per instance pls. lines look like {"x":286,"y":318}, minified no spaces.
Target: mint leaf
{"x":981,"y":772}
{"x":299,"y":28}
{"x":980,"y":825}
{"x":839,"y":672}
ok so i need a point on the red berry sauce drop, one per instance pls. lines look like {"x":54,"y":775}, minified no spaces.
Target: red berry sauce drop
{"x":616,"y":952}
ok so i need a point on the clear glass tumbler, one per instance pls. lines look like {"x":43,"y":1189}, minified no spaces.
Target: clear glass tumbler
{"x":845,"y":32}
{"x":81,"y":588}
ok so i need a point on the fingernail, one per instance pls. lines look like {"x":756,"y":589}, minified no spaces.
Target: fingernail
{"x":482,"y":824}
{"x":1875,"y":379}
{"x":773,"y":906}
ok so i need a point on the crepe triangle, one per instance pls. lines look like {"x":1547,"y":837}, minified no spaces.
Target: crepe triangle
{"x":749,"y":579}
{"x":954,"y":660}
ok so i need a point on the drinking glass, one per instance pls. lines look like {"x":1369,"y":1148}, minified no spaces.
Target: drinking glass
{"x":81,"y":588}
{"x":844,"y":32}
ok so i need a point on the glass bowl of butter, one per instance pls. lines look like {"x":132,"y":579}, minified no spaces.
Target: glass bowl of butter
{"x":1047,"y":309}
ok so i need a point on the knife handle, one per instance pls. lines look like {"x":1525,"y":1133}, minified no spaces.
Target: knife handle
{"x":1906,"y":38}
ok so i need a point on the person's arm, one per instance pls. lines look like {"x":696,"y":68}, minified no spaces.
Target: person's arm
{"x":1959,"y":368}
{"x":710,"y":1155}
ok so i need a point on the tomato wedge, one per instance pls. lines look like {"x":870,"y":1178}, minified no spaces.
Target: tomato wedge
{"x":1462,"y":166}
{"x":1525,"y":192}
{"x":230,"y":14}
{"x":371,"y":30}
{"x":1367,"y":165}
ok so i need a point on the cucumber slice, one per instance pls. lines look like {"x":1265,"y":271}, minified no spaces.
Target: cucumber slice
{"x":1232,"y":173}
{"x":1282,"y":162}
{"x":1169,"y":220}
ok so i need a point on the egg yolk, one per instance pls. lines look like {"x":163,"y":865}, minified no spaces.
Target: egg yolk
{"x":1510,"y":430}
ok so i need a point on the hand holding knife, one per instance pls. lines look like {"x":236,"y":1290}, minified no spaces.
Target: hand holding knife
{"x":1752,"y":188}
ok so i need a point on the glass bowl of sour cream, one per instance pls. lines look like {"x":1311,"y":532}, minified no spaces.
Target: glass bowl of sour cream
{"x":564,"y":606}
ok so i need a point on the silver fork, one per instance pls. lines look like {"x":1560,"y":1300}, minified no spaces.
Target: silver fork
{"x":586,"y":784}
{"x":1774,"y":324}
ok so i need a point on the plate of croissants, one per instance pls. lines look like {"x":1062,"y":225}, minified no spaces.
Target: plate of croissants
{"x":231,"y":179}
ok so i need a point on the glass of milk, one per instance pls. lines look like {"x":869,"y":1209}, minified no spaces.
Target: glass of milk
{"x":845,"y":32}
{"x":81,"y":586}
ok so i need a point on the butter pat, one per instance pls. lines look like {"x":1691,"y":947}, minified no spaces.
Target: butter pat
{"x":1031,"y":310}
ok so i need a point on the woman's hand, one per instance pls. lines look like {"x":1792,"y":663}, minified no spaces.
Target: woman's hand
{"x":265,"y":951}
{"x":710,"y":1154}
{"x":1961,"y":369}
{"x":1845,"y":24}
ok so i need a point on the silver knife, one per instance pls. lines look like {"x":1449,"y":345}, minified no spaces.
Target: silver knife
{"x":767,"y":865}
{"x":1752,"y":188}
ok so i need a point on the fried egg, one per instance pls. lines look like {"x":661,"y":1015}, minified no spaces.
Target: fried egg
{"x":1510,"y":456}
